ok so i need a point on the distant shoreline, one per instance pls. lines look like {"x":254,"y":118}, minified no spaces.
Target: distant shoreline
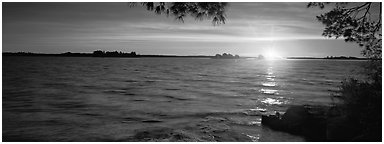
{"x":330,"y":58}
{"x":91,"y":55}
{"x":158,"y":56}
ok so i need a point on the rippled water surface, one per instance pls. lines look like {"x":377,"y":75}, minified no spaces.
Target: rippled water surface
{"x":112,"y":99}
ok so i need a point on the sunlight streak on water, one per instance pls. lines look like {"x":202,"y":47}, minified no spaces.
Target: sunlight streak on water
{"x":258,"y":123}
{"x":259,"y":109}
{"x":271,"y":79}
{"x":272,"y":101}
{"x":269,"y":91}
{"x":269,"y":84}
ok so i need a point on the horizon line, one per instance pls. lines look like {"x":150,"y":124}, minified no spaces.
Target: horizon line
{"x":202,"y":55}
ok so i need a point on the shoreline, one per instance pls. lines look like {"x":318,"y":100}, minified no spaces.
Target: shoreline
{"x":161,"y":56}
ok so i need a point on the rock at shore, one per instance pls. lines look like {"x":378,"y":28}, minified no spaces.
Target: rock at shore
{"x":298,"y":120}
{"x":318,"y":123}
{"x":295,"y":119}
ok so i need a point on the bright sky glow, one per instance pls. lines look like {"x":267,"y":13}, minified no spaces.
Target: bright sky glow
{"x":249,"y":30}
{"x":272,"y":55}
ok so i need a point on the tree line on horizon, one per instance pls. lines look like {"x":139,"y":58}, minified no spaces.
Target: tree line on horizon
{"x":226,"y":56}
{"x":100,"y":53}
{"x":97,"y":53}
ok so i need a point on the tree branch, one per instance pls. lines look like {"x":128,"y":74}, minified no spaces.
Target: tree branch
{"x":357,"y":7}
{"x":367,"y":11}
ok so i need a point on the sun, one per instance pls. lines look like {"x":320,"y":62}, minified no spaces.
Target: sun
{"x":272,"y":55}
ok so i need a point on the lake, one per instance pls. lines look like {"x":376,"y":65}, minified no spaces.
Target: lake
{"x":112,"y":99}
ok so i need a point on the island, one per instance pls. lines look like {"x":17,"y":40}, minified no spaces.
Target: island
{"x":226,"y":56}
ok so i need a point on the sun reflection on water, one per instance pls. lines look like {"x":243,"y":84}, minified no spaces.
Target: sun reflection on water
{"x":272,"y":101}
{"x":269,"y":84}
{"x":269,"y":91}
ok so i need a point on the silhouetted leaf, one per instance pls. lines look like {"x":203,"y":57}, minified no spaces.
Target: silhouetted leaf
{"x":199,"y":10}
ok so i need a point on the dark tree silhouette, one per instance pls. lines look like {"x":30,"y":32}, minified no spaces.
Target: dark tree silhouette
{"x":359,"y":23}
{"x":355,"y":22}
{"x":361,"y":99}
{"x":100,"y":53}
{"x":198,"y":10}
{"x":226,"y":56}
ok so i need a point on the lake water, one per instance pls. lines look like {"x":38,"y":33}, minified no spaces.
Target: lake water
{"x":112,"y":99}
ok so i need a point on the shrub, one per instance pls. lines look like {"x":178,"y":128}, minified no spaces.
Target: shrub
{"x":361,"y":104}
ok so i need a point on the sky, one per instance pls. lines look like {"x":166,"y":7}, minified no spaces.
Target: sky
{"x":285,"y":29}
